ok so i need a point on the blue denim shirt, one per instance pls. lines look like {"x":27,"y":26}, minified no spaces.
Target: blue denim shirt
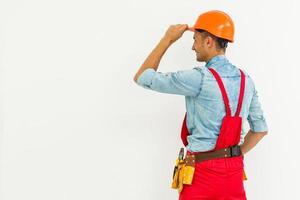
{"x":204,"y":103}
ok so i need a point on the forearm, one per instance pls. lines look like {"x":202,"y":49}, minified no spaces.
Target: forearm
{"x":153,"y":60}
{"x":250,"y":140}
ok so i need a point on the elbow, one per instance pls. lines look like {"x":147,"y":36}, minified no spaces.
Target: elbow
{"x":263,"y":133}
{"x":136,"y":77}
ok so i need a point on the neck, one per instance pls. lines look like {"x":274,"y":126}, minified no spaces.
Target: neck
{"x":213,"y":55}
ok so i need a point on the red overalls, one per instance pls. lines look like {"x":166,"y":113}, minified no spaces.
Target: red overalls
{"x":221,"y":178}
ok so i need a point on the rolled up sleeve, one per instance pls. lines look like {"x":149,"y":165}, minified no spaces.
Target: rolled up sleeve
{"x":182,"y":82}
{"x":256,"y":119}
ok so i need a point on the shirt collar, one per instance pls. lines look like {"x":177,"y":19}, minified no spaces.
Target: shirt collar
{"x":218,"y":59}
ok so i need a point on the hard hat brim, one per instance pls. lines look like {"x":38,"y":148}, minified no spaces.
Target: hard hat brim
{"x":193,"y":29}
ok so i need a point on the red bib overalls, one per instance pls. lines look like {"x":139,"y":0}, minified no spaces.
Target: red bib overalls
{"x":221,"y":178}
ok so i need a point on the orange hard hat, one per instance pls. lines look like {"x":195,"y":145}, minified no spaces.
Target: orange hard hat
{"x":217,"y":23}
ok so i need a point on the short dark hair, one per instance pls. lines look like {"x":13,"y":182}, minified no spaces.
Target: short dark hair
{"x":221,"y":43}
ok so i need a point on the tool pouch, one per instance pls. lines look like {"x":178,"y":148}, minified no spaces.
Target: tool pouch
{"x":177,"y":175}
{"x":188,"y":169}
{"x":183,"y":172}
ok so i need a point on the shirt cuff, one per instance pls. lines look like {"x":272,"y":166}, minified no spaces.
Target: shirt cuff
{"x":259,"y":125}
{"x":145,"y":78}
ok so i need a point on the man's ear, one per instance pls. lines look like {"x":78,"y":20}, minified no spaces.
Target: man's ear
{"x":209,"y":41}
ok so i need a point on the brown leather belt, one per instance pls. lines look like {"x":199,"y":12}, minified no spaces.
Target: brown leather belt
{"x":232,"y":151}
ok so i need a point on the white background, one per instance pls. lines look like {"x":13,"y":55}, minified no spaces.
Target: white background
{"x":74,"y":124}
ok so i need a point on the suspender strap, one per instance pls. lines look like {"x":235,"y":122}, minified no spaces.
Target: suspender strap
{"x":241,"y":97}
{"x":224,"y":94}
{"x":223,"y":91}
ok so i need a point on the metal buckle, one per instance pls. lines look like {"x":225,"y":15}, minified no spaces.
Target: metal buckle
{"x":235,"y":151}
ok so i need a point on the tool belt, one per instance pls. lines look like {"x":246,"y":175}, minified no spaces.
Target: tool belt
{"x":185,"y":167}
{"x":232,"y":151}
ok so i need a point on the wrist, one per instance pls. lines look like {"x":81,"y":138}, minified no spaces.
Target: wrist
{"x":242,"y":150}
{"x":166,"y":40}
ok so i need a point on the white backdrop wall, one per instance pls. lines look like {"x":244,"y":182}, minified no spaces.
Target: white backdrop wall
{"x":74,"y":124}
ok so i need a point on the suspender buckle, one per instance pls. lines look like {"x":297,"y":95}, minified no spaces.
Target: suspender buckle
{"x":235,"y":150}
